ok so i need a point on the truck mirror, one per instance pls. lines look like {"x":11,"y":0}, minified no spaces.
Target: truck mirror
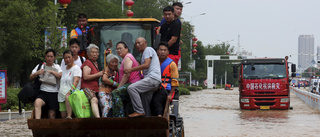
{"x":293,"y":68}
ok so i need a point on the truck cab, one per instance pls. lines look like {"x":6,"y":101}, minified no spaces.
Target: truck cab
{"x":108,"y":32}
{"x":264,"y":83}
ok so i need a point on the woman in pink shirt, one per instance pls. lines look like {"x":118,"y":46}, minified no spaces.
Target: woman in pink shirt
{"x":120,"y":95}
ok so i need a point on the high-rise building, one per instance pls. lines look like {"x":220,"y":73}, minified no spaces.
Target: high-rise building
{"x":306,"y":52}
{"x":318,"y":55}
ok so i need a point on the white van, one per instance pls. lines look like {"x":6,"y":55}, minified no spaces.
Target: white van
{"x":314,"y":86}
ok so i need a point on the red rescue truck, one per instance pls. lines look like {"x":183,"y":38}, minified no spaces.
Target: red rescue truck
{"x":264,"y":83}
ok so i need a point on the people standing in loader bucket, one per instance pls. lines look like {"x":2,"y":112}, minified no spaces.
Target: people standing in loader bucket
{"x":169,"y":80}
{"x":170,"y":32}
{"x":152,"y":78}
{"x":81,"y":32}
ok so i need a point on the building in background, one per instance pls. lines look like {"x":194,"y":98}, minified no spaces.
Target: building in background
{"x":306,"y":52}
{"x":318,"y":55}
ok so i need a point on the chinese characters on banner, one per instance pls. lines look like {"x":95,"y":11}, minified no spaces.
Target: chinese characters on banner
{"x":3,"y":89}
{"x":262,"y":86}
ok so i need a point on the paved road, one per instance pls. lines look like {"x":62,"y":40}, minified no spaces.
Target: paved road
{"x":216,"y":113}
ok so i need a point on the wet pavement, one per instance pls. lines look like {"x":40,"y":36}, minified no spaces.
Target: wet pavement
{"x":215,"y":112}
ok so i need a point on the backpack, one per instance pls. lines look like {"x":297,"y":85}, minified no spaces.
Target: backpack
{"x":30,"y":91}
{"x":81,"y":59}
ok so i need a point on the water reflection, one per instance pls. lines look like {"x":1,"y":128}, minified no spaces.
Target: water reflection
{"x":210,"y":113}
{"x":277,"y":116}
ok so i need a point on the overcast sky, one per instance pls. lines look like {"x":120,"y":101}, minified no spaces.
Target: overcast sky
{"x":267,"y":28}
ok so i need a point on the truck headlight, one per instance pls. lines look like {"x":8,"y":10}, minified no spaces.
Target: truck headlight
{"x":284,"y":100}
{"x":244,"y":100}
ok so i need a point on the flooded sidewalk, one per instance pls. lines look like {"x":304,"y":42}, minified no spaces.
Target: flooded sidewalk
{"x":215,"y":112}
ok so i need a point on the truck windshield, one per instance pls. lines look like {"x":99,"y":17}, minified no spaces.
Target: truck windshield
{"x":127,"y":32}
{"x":264,"y":71}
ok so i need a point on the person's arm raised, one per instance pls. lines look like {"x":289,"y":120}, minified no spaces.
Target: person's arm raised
{"x":143,"y":66}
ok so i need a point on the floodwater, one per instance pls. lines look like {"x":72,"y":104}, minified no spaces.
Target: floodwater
{"x":215,"y":112}
{"x":15,"y":128}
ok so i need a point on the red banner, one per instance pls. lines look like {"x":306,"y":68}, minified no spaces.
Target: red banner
{"x":3,"y":86}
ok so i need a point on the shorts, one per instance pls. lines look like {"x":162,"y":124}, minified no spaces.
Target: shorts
{"x":175,"y":58}
{"x":62,"y":106}
{"x":50,"y":99}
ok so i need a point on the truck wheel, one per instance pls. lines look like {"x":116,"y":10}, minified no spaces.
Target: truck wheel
{"x":181,"y":132}
{"x":172,"y":129}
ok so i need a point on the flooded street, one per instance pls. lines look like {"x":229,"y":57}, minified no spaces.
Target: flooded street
{"x":15,"y":128}
{"x":216,"y":113}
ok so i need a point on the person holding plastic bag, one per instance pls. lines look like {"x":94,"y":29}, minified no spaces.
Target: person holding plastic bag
{"x":108,"y":84}
{"x":90,"y":78}
{"x":71,"y":75}
{"x":49,"y":74}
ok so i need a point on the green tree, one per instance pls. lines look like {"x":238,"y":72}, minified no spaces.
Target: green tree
{"x":22,"y":25}
{"x":201,"y":63}
{"x":19,"y":35}
{"x":185,"y":45}
{"x":93,"y":9}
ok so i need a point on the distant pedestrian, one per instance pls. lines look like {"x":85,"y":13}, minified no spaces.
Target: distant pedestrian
{"x":298,"y":85}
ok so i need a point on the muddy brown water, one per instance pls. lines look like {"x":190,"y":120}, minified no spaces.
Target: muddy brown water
{"x":215,"y":112}
{"x":210,"y":113}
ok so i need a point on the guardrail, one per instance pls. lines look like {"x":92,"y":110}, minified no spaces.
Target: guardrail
{"x":13,"y":115}
{"x":311,"y":99}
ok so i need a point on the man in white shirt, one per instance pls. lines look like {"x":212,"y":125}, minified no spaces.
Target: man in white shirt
{"x":75,"y":48}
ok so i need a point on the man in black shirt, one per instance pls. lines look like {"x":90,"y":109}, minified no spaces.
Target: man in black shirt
{"x":170,"y":32}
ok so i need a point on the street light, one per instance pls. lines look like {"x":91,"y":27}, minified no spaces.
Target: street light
{"x":201,"y":14}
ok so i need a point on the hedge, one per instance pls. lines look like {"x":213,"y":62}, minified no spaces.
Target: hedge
{"x":13,"y":101}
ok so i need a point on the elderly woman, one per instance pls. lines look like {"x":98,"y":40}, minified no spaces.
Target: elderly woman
{"x":48,"y":92}
{"x":71,"y":75}
{"x":120,"y":95}
{"x":108,"y":84}
{"x":90,"y":77}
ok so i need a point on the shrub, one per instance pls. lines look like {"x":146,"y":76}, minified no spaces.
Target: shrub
{"x":192,"y":88}
{"x":199,"y":88}
{"x":184,"y":91}
{"x":13,"y":101}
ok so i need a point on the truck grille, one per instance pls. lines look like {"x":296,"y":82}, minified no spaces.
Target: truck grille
{"x":264,"y":103}
{"x":264,"y":92}
{"x":264,"y":99}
